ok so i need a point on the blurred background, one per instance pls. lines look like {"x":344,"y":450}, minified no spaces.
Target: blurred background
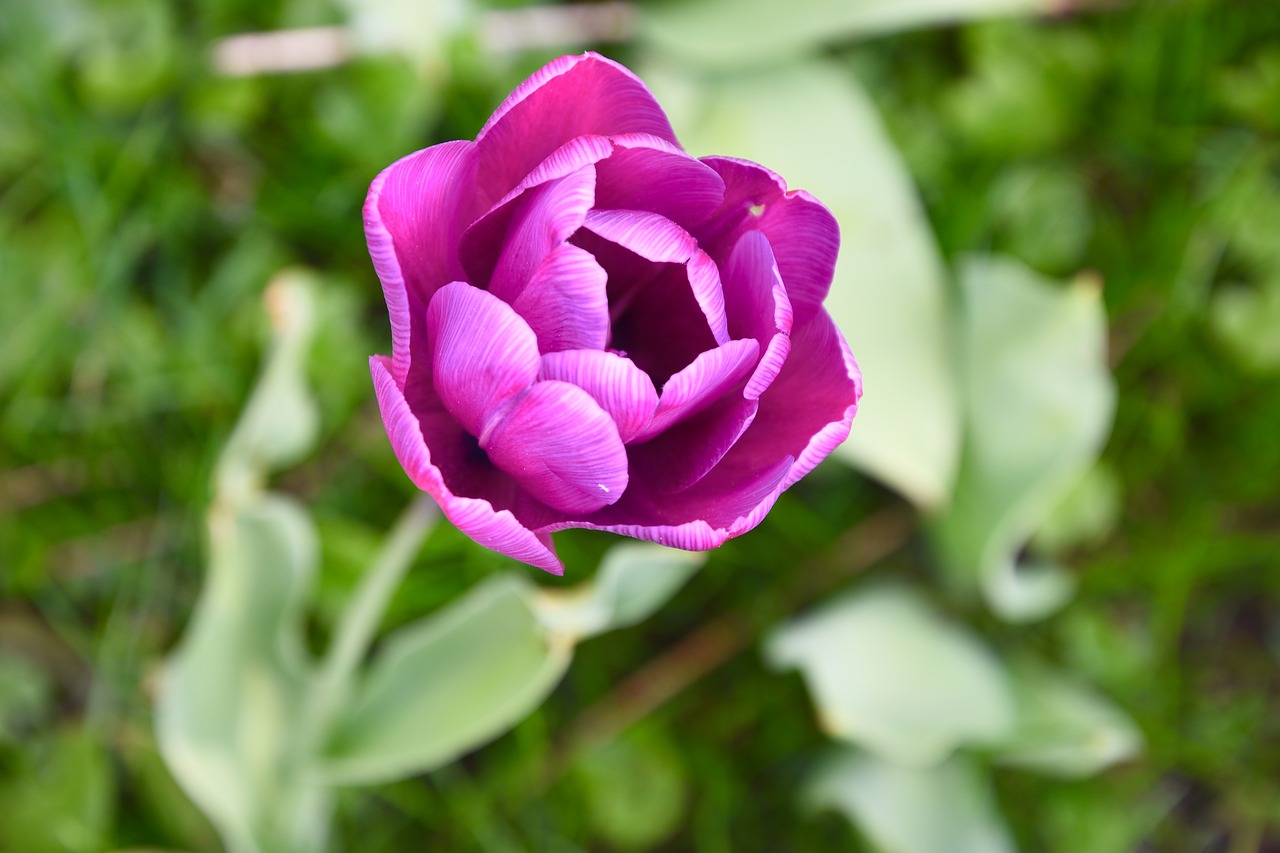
{"x":1060,"y":503}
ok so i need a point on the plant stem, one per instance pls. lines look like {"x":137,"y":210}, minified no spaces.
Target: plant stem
{"x":362,"y":616}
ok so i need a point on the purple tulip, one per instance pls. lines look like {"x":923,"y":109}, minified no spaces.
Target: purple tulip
{"x":591,"y":328}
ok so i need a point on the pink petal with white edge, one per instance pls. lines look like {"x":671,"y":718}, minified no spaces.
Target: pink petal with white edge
{"x":411,"y":223}
{"x":711,"y":375}
{"x":477,"y":518}
{"x":568,"y":158}
{"x":808,"y":409}
{"x":569,"y":97}
{"x":698,"y":519}
{"x":561,"y":447}
{"x":482,"y":353}
{"x":658,"y":239}
{"x":544,"y":218}
{"x":501,"y":250}
{"x":623,"y":390}
{"x":758,"y":306}
{"x":565,"y":302}
{"x":647,"y":173}
{"x":803,"y":233}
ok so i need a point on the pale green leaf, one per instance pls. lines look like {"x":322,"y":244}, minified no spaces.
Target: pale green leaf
{"x":1065,"y":728}
{"x":812,"y":124}
{"x":280,"y":422}
{"x":725,"y":32}
{"x":1038,"y":404}
{"x":446,"y":685}
{"x":941,"y":809}
{"x":232,"y":692}
{"x":1248,"y":321}
{"x":634,"y":580}
{"x":888,"y":673}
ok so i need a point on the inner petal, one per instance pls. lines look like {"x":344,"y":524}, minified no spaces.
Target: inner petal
{"x":483,"y":353}
{"x":560,"y":446}
{"x":654,"y":318}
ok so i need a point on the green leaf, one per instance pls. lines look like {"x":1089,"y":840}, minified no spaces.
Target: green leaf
{"x":232,"y":692}
{"x":812,"y":124}
{"x":939,"y":809}
{"x":1038,"y":404}
{"x":280,"y":422}
{"x":1065,"y":728}
{"x":634,"y":580}
{"x":745,"y":31}
{"x":888,"y":673}
{"x":1248,"y":321}
{"x":446,"y":685}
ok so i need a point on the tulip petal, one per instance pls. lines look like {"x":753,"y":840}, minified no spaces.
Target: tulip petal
{"x":758,"y":306}
{"x":501,"y":250}
{"x":647,"y":173}
{"x":571,"y":96}
{"x":482,"y":353}
{"x":411,"y":223}
{"x":568,"y":158}
{"x":686,"y":452}
{"x":566,"y":302}
{"x":710,"y":376}
{"x":808,"y":409}
{"x":658,"y":239}
{"x":561,"y":447}
{"x":654,"y":319}
{"x":803,"y":233}
{"x":476,"y":517}
{"x":623,"y":390}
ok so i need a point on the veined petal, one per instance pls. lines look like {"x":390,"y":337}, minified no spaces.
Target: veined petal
{"x":565,"y":302}
{"x":758,"y":306}
{"x":684,"y":453}
{"x":411,"y":223}
{"x":496,"y":529}
{"x":623,"y":390}
{"x":571,"y":96}
{"x":482,"y":353}
{"x":501,"y":250}
{"x":647,"y":173}
{"x":658,"y":239}
{"x":561,"y":447}
{"x":803,"y":233}
{"x":568,"y":158}
{"x":808,"y":409}
{"x":711,"y":375}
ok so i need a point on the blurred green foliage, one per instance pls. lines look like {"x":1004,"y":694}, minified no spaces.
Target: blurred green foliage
{"x":145,"y":202}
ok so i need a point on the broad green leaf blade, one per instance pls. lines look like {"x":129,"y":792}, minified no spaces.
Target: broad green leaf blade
{"x":725,"y":32}
{"x":1038,"y":404}
{"x":942,"y":809}
{"x":280,"y":422}
{"x":634,"y":580}
{"x":888,"y":673}
{"x":1066,"y":728}
{"x":231,"y":694}
{"x":812,"y":124}
{"x":446,"y":685}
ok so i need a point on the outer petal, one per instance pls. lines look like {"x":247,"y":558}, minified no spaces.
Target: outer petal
{"x":496,"y":529}
{"x":482,"y":353}
{"x":411,"y":222}
{"x":561,"y":447}
{"x":803,"y":233}
{"x":571,"y":96}
{"x":623,"y":390}
{"x":566,"y":302}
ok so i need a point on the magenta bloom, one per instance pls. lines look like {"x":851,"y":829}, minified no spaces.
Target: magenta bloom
{"x":590,"y":328}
